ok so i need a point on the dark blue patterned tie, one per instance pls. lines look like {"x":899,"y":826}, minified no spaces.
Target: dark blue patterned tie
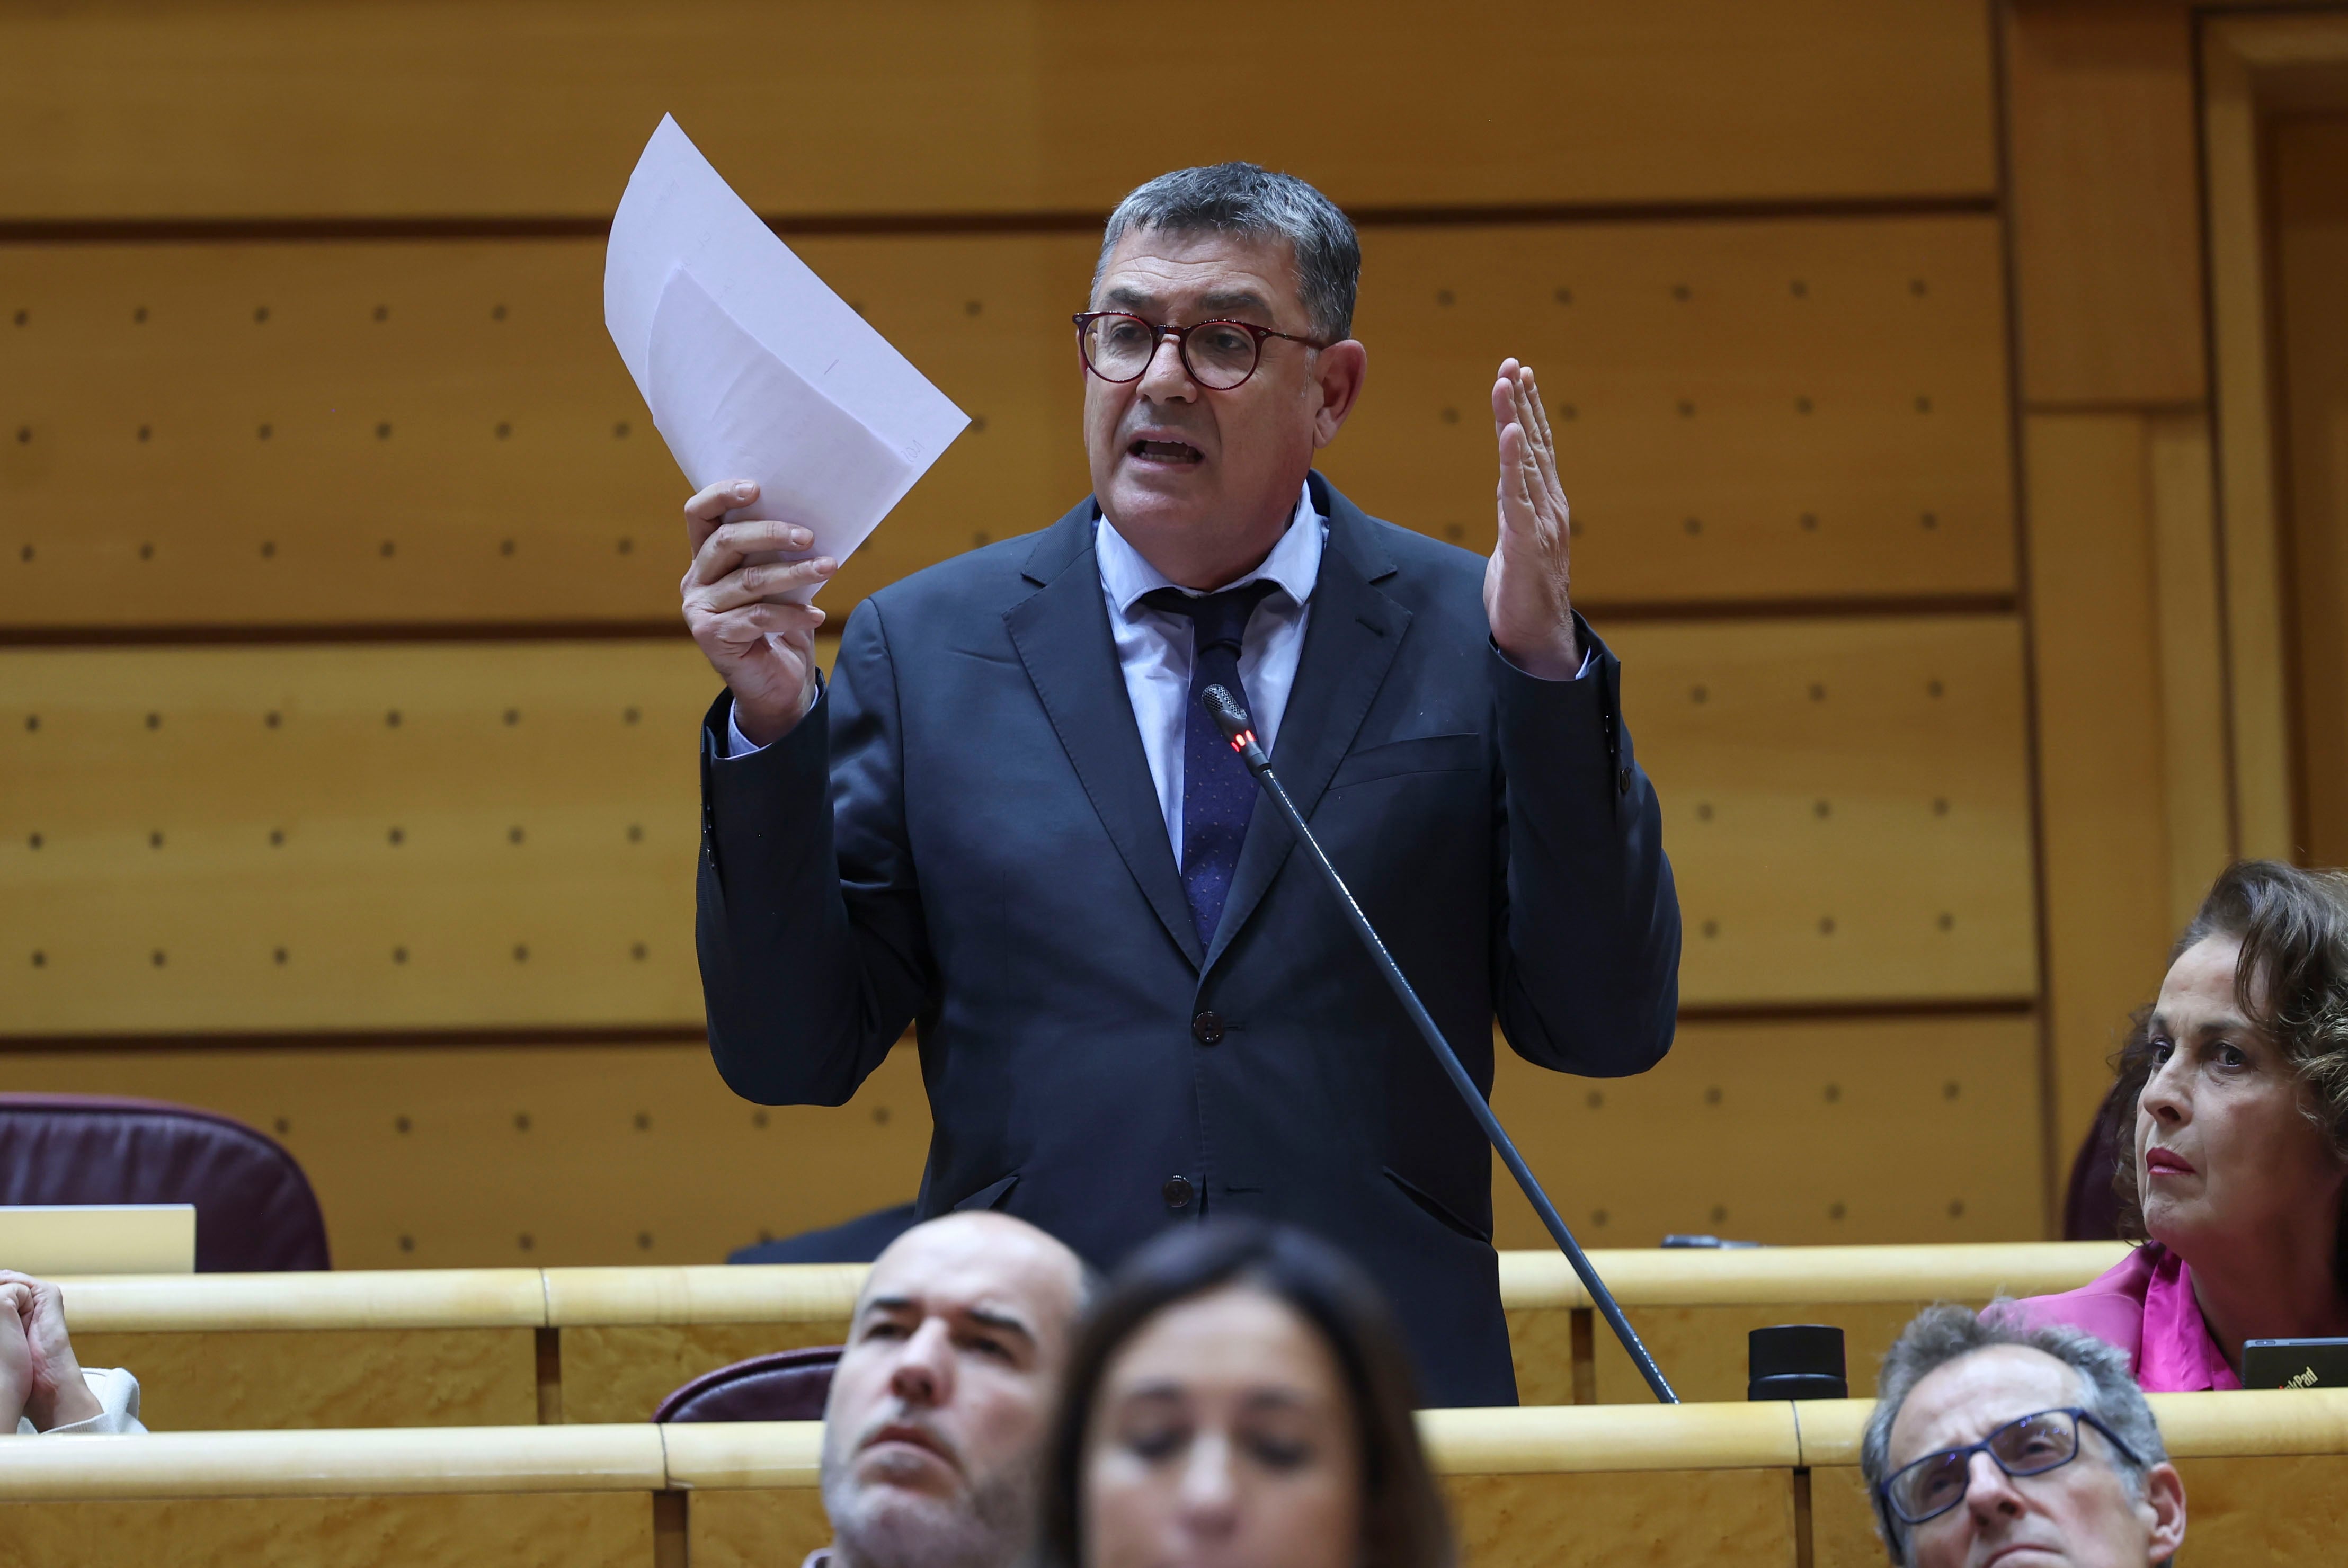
{"x":1218,"y":794}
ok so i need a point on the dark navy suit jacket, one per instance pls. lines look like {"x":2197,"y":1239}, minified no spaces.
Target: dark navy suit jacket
{"x":963,"y":834}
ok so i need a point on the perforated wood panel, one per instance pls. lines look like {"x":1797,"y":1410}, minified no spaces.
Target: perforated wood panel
{"x":487,"y":1156}
{"x":1846,"y":803}
{"x":317,"y":433}
{"x":446,"y":108}
{"x":1816,"y":1133}
{"x":502,"y":833}
{"x":298,"y":838}
{"x":312,"y":433}
{"x":1744,"y":410}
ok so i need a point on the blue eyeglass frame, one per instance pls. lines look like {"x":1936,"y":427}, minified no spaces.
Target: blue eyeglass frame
{"x":1885,"y":1506}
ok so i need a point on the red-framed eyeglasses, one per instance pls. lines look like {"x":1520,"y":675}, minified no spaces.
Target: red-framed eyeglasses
{"x":1118,"y":346}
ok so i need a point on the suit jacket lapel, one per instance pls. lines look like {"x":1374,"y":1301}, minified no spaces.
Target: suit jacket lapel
{"x":1063,"y":636}
{"x":1350,"y":642}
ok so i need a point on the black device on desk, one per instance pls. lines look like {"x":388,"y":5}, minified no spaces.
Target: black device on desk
{"x":2295,"y":1364}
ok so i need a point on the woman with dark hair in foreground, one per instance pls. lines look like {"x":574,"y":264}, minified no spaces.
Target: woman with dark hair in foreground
{"x":2232,"y":1115}
{"x":1240,"y":1395}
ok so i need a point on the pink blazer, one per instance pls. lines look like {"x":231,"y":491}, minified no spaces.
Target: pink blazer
{"x":2145,"y":1306}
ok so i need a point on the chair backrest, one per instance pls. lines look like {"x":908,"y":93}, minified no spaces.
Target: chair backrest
{"x":787,"y":1386}
{"x":254,"y":1209}
{"x":858,"y":1241}
{"x":2091,"y":1210}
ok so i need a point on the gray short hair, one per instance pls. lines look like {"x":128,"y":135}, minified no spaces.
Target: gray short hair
{"x":1251,"y":203}
{"x":1943,"y":1334}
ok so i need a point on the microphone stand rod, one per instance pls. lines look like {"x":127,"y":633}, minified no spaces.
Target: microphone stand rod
{"x":1232,"y":720}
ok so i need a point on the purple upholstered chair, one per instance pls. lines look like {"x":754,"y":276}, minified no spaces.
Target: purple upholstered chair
{"x":2091,"y":1210}
{"x":254,"y":1209}
{"x":787,"y":1386}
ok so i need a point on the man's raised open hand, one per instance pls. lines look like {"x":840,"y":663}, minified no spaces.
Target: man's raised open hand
{"x":761,"y":645}
{"x":1525,"y":584}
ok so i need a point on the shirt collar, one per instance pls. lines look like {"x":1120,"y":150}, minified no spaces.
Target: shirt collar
{"x":1294,"y":562}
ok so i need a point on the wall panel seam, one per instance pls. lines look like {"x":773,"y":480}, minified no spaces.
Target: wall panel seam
{"x":241,"y":230}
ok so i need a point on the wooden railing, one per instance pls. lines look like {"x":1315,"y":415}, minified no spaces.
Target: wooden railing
{"x":826,"y":1293}
{"x":1770,"y":1482}
{"x":486,"y":1346}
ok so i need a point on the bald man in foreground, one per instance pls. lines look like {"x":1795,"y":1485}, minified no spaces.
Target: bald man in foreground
{"x":933,"y":1433}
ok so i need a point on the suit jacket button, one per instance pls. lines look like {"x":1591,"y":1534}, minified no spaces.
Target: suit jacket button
{"x":1206,"y":1028}
{"x":1622,"y":780}
{"x":1177,"y":1191}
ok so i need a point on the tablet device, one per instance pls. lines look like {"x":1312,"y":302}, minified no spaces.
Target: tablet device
{"x":2295,"y":1364}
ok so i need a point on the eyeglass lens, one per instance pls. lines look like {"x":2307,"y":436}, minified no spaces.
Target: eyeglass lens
{"x":1219,"y":355}
{"x":2031,"y":1446}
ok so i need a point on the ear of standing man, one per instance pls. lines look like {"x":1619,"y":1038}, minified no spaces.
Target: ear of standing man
{"x":1005,"y":821}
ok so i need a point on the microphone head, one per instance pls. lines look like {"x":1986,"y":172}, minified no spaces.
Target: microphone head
{"x":1225,"y":710}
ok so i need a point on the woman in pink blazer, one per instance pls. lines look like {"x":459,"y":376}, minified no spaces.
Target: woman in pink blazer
{"x":2234,"y":1086}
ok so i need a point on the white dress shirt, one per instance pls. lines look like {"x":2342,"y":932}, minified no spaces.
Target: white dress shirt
{"x":1155,"y":650}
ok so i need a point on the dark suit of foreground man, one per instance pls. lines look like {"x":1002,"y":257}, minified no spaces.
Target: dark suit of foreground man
{"x":972,"y":828}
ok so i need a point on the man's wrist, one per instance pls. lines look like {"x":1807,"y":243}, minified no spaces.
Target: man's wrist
{"x":1558,"y":657}
{"x":762,"y":729}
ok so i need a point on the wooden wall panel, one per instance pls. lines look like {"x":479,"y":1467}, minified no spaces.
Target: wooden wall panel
{"x":429,"y":1156}
{"x":349,"y":837}
{"x":1795,"y":1133}
{"x":2108,"y":883}
{"x":2108,"y":230}
{"x":2311,"y":244}
{"x":426,"y":430}
{"x":1744,"y":410}
{"x":501,"y":834}
{"x":417,"y":430}
{"x":1846,"y":803}
{"x":538,"y":106}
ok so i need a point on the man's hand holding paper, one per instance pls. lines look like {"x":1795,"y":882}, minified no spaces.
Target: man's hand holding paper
{"x":797,"y":423}
{"x":746,"y":600}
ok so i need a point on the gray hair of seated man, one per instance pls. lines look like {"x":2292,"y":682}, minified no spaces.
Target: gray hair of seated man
{"x":1946,"y":1333}
{"x":1246,"y":201}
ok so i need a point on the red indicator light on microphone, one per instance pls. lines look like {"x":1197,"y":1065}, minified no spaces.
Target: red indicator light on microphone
{"x":1242,"y":740}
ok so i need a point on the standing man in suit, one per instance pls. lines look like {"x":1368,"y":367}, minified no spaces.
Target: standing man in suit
{"x":1005,"y":820}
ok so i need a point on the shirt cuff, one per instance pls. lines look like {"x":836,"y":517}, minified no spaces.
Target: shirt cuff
{"x":1588,"y":663}
{"x":118,"y":1414}
{"x":737,"y":743}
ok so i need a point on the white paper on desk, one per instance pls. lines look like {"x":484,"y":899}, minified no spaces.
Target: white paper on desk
{"x":745,"y":356}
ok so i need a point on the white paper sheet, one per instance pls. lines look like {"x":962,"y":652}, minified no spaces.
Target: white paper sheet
{"x":752,"y":367}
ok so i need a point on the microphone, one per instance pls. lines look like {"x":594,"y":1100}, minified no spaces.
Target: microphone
{"x":1232,"y":720}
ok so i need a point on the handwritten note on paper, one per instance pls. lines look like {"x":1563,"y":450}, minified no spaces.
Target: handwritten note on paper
{"x":752,"y":367}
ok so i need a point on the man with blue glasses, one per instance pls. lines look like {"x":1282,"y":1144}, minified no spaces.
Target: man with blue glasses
{"x":1996,"y":1442}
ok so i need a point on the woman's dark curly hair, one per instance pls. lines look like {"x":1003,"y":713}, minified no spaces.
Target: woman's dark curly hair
{"x":2291,"y":983}
{"x":1403,"y":1520}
